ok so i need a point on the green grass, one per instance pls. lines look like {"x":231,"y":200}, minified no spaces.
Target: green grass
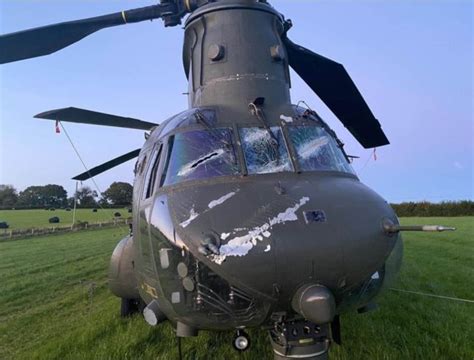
{"x":54,"y":304}
{"x":38,"y":218}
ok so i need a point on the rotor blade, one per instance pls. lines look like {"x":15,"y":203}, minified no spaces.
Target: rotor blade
{"x":75,"y":115}
{"x":331,"y":82}
{"x":48,"y":39}
{"x":107,"y":165}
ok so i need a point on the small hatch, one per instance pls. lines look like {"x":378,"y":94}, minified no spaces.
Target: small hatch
{"x":314,"y":216}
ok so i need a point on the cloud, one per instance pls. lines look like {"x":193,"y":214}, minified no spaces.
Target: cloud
{"x":458,"y":165}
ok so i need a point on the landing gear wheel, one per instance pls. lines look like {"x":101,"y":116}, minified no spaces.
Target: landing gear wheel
{"x":129,"y":307}
{"x":241,"y":341}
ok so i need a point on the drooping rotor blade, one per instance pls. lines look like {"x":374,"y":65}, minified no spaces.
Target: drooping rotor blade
{"x":75,"y":115}
{"x":49,"y":39}
{"x":331,"y":82}
{"x":107,"y":165}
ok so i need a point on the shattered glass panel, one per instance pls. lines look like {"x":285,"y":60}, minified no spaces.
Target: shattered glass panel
{"x":265,"y":152}
{"x":317,"y":150}
{"x":201,"y":154}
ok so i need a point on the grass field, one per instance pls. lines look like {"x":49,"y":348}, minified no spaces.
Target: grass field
{"x":38,"y":218}
{"x":54,"y":304}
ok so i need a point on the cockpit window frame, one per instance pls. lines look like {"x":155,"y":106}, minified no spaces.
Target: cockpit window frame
{"x":151,"y":174}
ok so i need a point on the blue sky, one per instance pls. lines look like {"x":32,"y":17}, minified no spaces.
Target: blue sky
{"x":412,"y":61}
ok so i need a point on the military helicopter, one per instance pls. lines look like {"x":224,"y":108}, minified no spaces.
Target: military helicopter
{"x":246,"y":210}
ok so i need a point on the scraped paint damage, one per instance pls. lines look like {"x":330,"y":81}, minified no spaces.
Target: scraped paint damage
{"x":221,"y":200}
{"x":193,"y":214}
{"x":285,"y":118}
{"x":241,"y":245}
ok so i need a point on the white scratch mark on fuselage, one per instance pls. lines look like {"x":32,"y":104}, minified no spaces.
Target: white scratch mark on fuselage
{"x":192,"y":215}
{"x":221,"y":200}
{"x":241,"y":245}
{"x":287,"y":119}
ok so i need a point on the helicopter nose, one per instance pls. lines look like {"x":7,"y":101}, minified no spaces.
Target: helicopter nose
{"x":338,"y":240}
{"x":273,"y":237}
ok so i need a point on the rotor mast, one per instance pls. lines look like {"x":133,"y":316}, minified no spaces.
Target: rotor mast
{"x":233,"y":53}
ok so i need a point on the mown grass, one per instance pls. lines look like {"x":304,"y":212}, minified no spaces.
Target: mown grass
{"x":38,"y":218}
{"x":54,"y":304}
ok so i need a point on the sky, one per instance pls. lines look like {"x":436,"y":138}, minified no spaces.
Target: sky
{"x":412,"y":61}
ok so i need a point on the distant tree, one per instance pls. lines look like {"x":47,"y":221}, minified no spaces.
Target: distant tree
{"x":70,"y":202}
{"x":8,"y":196}
{"x":55,"y":196}
{"x":43,"y":196}
{"x":103,"y":202}
{"x":445,"y":208}
{"x":86,"y":197}
{"x":118,"y":194}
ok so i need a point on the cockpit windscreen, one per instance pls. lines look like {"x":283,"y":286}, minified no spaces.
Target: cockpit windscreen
{"x":316,"y":150}
{"x":200,"y":154}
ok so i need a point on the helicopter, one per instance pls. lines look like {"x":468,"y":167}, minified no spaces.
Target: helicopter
{"x":246,"y":210}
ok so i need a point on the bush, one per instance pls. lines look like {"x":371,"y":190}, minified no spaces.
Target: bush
{"x":94,"y":210}
{"x":117,"y":214}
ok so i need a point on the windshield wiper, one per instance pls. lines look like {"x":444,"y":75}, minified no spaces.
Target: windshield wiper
{"x":201,"y":119}
{"x":255,"y":109}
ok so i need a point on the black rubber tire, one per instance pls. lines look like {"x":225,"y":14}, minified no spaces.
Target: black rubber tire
{"x":128,"y":307}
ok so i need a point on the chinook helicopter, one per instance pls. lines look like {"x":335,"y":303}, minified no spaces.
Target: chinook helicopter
{"x":246,"y":210}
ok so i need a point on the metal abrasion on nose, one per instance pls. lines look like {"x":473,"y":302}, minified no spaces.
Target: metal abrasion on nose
{"x":315,"y":302}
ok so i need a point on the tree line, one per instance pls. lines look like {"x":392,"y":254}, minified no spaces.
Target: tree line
{"x":119,"y":194}
{"x":445,"y":208}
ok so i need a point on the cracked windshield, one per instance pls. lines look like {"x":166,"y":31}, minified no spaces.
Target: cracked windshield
{"x":317,"y":150}
{"x":201,"y":154}
{"x":265,"y":150}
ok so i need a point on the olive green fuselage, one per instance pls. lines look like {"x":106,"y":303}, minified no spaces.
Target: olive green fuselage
{"x":229,"y":250}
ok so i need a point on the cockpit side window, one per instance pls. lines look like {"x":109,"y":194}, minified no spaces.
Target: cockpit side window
{"x":200,"y":154}
{"x":265,"y":150}
{"x":316,"y":150}
{"x":150,"y":178}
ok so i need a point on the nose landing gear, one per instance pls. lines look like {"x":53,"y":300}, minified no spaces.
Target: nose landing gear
{"x":241,"y":341}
